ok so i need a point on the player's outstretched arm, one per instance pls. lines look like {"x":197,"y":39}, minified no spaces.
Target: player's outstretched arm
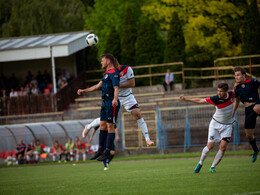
{"x":235,"y":106}
{"x":194,"y":100}
{"x":93,"y":88}
{"x":129,"y":84}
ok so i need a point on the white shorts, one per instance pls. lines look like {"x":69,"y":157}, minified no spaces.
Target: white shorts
{"x":218,"y":131}
{"x":128,"y":102}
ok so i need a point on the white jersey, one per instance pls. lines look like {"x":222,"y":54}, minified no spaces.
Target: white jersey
{"x":224,"y":108}
{"x":126,"y":73}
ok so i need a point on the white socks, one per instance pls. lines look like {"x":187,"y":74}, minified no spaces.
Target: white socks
{"x":84,"y":157}
{"x":143,"y":127}
{"x":204,"y":155}
{"x":94,"y":123}
{"x":218,"y":158}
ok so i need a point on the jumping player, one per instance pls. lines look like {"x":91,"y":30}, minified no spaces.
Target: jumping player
{"x":110,"y":105}
{"x":220,"y":127}
{"x":127,"y":99}
{"x":112,"y":152}
{"x":246,"y":91}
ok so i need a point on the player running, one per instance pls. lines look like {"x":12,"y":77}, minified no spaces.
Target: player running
{"x":246,"y":91}
{"x":110,"y":105}
{"x":220,"y":127}
{"x":127,"y":99}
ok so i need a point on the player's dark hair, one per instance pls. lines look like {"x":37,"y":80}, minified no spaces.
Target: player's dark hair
{"x":223,"y":86}
{"x":117,"y":65}
{"x":238,"y":68}
{"x":109,"y":56}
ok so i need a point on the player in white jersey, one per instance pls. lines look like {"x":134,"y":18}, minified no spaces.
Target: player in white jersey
{"x":220,"y":127}
{"x":127,"y":99}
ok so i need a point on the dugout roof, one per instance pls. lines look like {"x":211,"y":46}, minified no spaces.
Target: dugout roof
{"x":39,"y":47}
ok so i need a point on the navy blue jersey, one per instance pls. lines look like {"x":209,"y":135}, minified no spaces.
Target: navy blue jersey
{"x":248,"y":91}
{"x":110,"y":80}
{"x":20,"y":146}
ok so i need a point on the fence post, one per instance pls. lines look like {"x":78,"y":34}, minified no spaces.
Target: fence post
{"x":187,"y":131}
{"x":160,"y":135}
{"x":150,"y":76}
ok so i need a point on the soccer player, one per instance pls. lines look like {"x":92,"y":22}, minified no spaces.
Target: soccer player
{"x":57,"y":151}
{"x":112,"y":152}
{"x":29,"y":151}
{"x":80,"y":147}
{"x":246,"y":91}
{"x":110,"y":105}
{"x":127,"y":99}
{"x":220,"y":127}
{"x":20,"y":152}
{"x":69,"y":150}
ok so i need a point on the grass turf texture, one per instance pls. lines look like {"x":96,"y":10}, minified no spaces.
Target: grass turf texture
{"x":235,"y":175}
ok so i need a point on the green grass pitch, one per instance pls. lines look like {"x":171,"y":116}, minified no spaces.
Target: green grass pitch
{"x":235,"y":175}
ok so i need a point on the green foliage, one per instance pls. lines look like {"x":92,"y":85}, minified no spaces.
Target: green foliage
{"x":32,"y":17}
{"x":128,"y":37}
{"x":101,"y":18}
{"x":251,"y":29}
{"x":175,"y":45}
{"x":113,"y":43}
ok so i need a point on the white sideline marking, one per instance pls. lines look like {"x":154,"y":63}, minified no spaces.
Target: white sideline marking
{"x":257,"y":192}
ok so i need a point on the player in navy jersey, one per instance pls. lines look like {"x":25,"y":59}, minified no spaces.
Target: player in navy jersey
{"x":220,"y":127}
{"x":246,"y":91}
{"x":110,"y":105}
{"x":127,"y":99}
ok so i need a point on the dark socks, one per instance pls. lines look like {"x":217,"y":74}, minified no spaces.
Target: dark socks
{"x":110,"y":141}
{"x":253,"y":144}
{"x":102,"y":140}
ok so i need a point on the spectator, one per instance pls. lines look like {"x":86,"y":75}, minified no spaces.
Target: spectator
{"x":66,"y":74}
{"x":13,"y":93}
{"x":57,"y":151}
{"x":169,"y":80}
{"x":80,"y":148}
{"x":20,"y":148}
{"x":63,"y":84}
{"x":13,"y":82}
{"x":23,"y":92}
{"x":40,"y":81}
{"x":34,"y":90}
{"x":28,"y":88}
{"x":3,"y":103}
{"x":69,"y":149}
{"x":34,"y":82}
{"x":61,"y":78}
{"x":29,"y":77}
{"x":29,"y":151}
{"x":46,"y":77}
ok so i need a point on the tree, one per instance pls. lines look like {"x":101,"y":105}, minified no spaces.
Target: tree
{"x":33,"y":17}
{"x":128,"y":37}
{"x":251,"y":29}
{"x":149,"y":43}
{"x":113,"y":43}
{"x":175,"y":45}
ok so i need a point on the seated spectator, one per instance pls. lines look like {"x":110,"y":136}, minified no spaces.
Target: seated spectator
{"x":29,"y":151}
{"x":38,"y":149}
{"x":69,"y":150}
{"x":28,"y":88}
{"x":66,"y":74}
{"x":23,"y":92}
{"x":80,"y":147}
{"x":63,"y":84}
{"x":29,"y":77}
{"x":46,"y":77}
{"x":34,"y":90}
{"x":57,"y":151}
{"x":13,"y":93}
{"x":169,"y":80}
{"x":60,"y":79}
{"x":20,"y":152}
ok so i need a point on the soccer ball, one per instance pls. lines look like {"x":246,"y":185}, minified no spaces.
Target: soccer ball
{"x":92,"y":40}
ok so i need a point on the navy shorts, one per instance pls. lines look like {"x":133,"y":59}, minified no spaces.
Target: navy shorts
{"x":108,"y":112}
{"x":250,"y":117}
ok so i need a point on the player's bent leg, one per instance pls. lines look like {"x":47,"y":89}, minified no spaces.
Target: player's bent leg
{"x":222,"y":148}
{"x":142,"y":125}
{"x":88,"y":127}
{"x":204,"y":155}
{"x":257,"y":108}
{"x":252,"y":142}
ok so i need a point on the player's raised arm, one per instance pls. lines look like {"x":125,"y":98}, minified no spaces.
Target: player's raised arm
{"x":93,"y":88}
{"x":194,"y":100}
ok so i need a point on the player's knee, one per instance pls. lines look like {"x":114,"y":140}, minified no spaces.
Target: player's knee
{"x":257,"y":108}
{"x":250,"y":137}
